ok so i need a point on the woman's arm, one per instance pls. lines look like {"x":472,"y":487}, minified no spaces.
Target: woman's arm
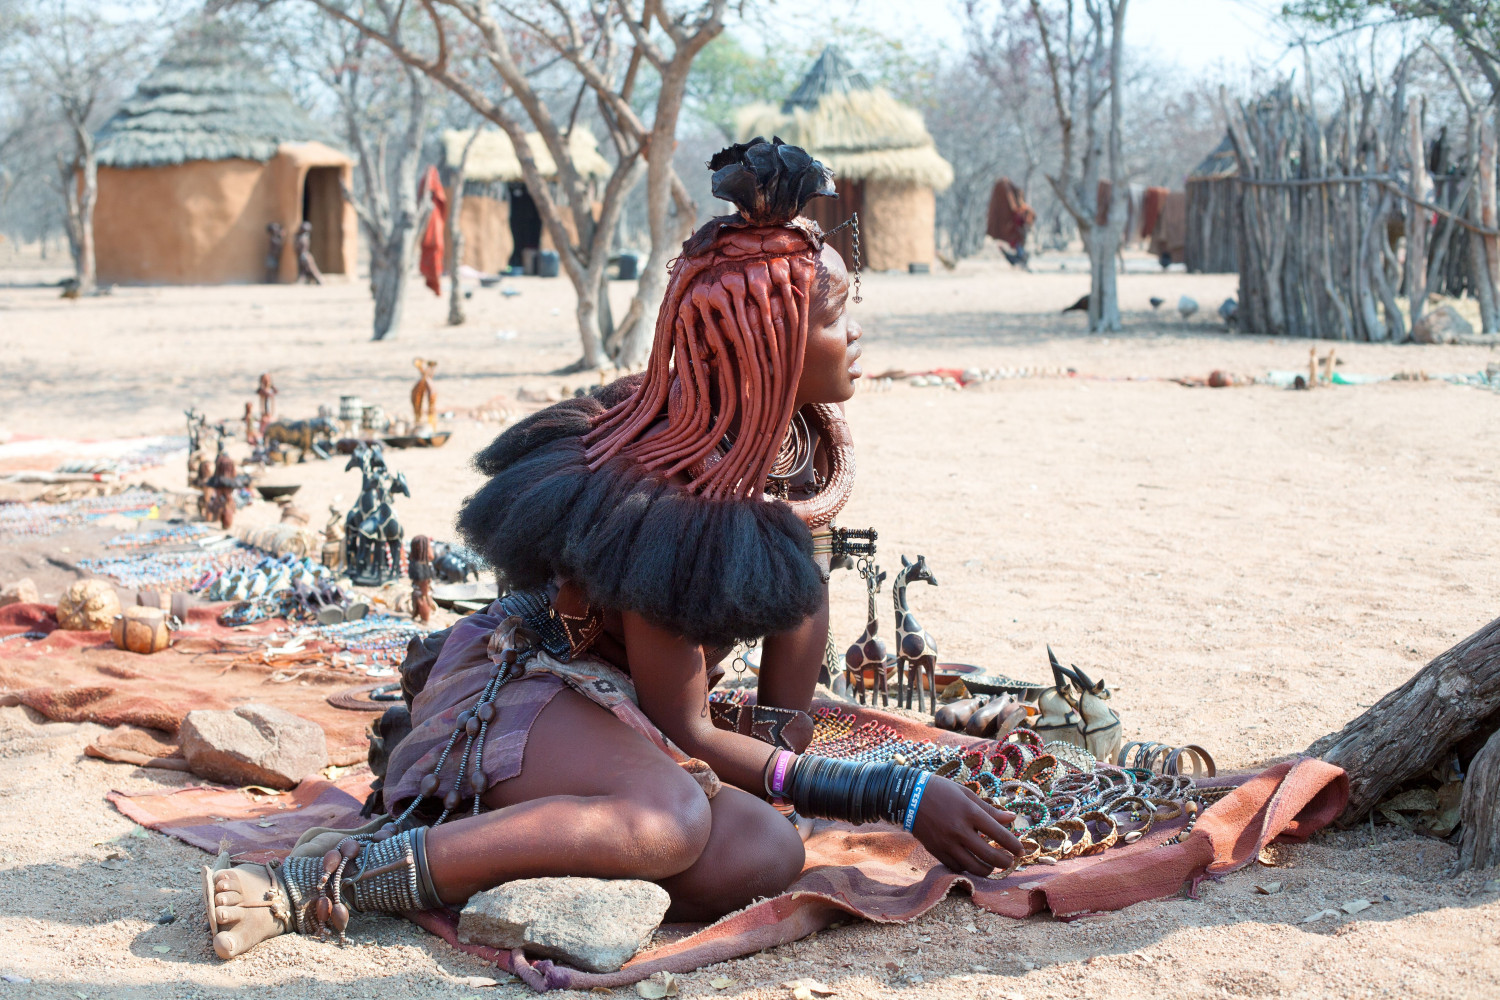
{"x":672,"y":686}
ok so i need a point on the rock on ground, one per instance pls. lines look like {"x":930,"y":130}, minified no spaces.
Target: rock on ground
{"x":23,"y":591}
{"x":1442,"y":325}
{"x":253,"y":745}
{"x":589,"y":923}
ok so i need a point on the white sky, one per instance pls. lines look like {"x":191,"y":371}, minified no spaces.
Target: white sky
{"x":1193,"y":34}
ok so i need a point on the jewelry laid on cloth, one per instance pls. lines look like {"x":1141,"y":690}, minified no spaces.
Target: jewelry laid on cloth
{"x":40,"y":518}
{"x":187,"y":571}
{"x":28,"y":636}
{"x":176,"y":534}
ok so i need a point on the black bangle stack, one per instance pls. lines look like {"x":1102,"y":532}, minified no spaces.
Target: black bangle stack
{"x":825,"y":788}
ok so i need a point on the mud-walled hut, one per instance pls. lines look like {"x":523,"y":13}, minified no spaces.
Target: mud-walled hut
{"x":201,"y":159}
{"x":499,"y":220}
{"x":885,"y":163}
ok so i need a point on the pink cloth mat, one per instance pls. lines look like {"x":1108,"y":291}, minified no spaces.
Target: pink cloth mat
{"x":874,"y":872}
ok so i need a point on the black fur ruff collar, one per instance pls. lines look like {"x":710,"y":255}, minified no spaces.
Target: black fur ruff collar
{"x":714,"y":571}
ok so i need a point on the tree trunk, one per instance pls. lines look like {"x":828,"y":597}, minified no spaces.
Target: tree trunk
{"x":1488,"y":261}
{"x":1479,"y":811}
{"x":1416,"y":727}
{"x":389,"y":264}
{"x":80,"y":179}
{"x":1104,"y":299}
{"x":1416,"y":216}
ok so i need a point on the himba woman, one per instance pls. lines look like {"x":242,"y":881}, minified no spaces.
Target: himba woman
{"x":641,"y":531}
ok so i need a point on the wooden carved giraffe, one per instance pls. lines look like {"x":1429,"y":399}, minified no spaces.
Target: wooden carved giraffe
{"x":868,"y":650}
{"x":916,"y":652}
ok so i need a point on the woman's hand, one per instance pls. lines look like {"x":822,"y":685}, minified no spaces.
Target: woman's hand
{"x":957,"y":827}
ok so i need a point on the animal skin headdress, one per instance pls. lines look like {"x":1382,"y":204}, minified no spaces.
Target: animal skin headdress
{"x":591,"y":489}
{"x":731,"y":332}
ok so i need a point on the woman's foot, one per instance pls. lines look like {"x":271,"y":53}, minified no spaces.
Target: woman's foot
{"x":245,"y":907}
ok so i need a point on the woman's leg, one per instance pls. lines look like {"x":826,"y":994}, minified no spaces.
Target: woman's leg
{"x":752,"y":852}
{"x":594,"y":798}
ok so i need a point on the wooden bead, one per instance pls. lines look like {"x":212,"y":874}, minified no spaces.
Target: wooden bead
{"x":429,"y":785}
{"x":340,"y":917}
{"x":464,"y":717}
{"x":486,"y":712}
{"x":323,"y":909}
{"x":349,"y":847}
{"x":510,"y":656}
{"x":331,"y":862}
{"x":478,"y":782}
{"x":472,"y":726}
{"x":451,"y":800}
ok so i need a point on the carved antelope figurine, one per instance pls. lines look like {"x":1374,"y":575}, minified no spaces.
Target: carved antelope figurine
{"x":1079,"y":716}
{"x":916,"y":651}
{"x":868,"y":650}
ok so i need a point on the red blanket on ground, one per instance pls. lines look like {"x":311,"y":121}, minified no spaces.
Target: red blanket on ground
{"x":82,"y":677}
{"x":875,"y":872}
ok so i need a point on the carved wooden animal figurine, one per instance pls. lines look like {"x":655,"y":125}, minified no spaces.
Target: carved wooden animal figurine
{"x":1100,"y":731}
{"x":916,"y":651}
{"x":315,"y":435}
{"x":422,"y":395}
{"x":868,"y":650}
{"x":372,"y":535}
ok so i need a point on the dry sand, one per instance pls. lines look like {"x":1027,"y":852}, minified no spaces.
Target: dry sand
{"x":1248,"y":568}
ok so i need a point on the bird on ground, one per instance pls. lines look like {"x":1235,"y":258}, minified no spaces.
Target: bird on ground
{"x":1082,"y":305}
{"x":1156,"y":301}
{"x":1186,"y":306}
{"x":1229,"y":311}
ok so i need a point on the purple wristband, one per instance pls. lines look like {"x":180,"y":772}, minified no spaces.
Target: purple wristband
{"x":778,"y":775}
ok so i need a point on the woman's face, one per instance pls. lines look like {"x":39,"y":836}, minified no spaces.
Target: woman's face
{"x":831,"y":363}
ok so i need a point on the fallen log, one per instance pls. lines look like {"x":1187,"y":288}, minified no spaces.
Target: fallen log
{"x":1448,"y":708}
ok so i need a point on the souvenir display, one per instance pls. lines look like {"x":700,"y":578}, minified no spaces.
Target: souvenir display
{"x":420,"y":569}
{"x":372,"y":534}
{"x":423,"y":397}
{"x":916,"y":651}
{"x":140,"y":630}
{"x":38,"y":519}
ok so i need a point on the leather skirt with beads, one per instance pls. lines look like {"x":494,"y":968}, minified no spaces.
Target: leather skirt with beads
{"x":462,"y":672}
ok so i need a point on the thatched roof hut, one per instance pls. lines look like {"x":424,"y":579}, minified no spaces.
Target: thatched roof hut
{"x":1213,"y":212}
{"x":498,"y":219}
{"x":196,"y":164}
{"x":885,"y":163}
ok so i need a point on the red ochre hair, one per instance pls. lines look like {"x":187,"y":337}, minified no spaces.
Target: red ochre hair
{"x":729,"y":344}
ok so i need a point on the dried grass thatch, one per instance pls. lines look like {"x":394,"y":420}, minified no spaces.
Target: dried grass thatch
{"x":493,"y":157}
{"x":862,"y":132}
{"x":1218,"y":165}
{"x":206,"y":100}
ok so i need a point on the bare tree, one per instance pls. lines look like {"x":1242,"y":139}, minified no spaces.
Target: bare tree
{"x":79,"y":59}
{"x":484,"y":52}
{"x":1082,"y":48}
{"x":455,"y":234}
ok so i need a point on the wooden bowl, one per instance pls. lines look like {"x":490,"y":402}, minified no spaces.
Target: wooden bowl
{"x":465,"y":597}
{"x":272,"y":492}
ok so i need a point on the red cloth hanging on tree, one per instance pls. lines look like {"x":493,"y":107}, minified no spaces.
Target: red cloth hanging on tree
{"x":432,"y":236}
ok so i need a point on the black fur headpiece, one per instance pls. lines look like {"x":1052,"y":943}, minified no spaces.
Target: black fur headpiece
{"x":714,"y":571}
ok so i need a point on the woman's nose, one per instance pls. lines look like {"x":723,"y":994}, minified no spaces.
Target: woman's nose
{"x":855,"y":331}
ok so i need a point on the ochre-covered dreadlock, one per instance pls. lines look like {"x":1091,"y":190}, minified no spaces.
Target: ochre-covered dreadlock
{"x":724,"y":366}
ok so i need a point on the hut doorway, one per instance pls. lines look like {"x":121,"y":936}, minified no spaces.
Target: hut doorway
{"x":323,"y":206}
{"x":831,"y":212}
{"x":525,"y":228}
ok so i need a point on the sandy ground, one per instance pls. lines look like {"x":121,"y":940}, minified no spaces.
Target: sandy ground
{"x":1248,"y":568}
